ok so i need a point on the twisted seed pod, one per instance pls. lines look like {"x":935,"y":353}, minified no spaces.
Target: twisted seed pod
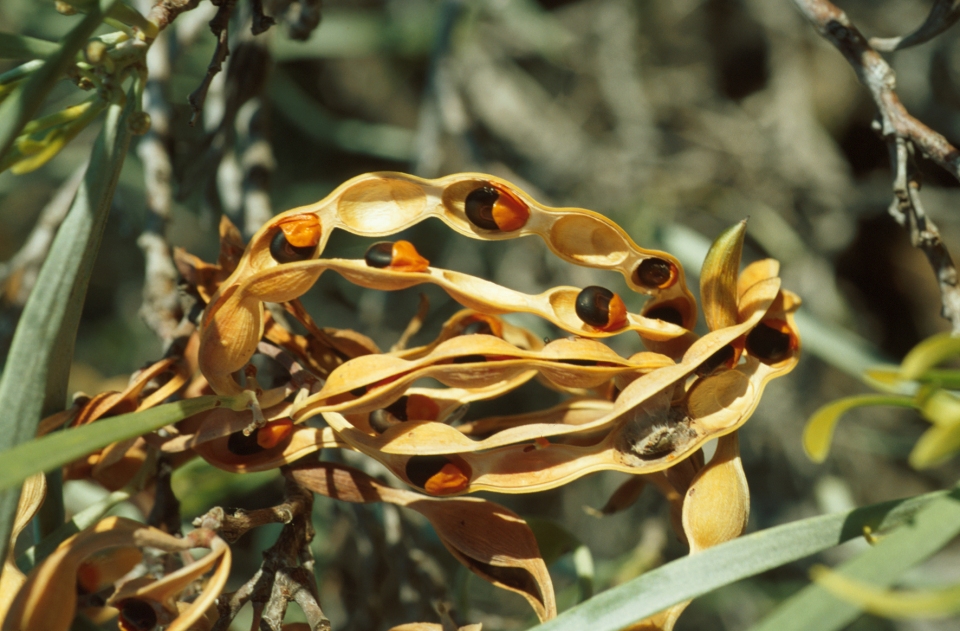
{"x":384,"y":378}
{"x":383,"y":203}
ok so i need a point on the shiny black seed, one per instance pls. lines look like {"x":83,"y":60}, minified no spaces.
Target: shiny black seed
{"x":240,"y":445}
{"x":716,"y":360}
{"x":667,"y":314}
{"x":379,"y":254}
{"x":477,"y":327}
{"x":399,"y":408}
{"x":283,"y":252}
{"x":768,"y":344}
{"x":421,"y":468}
{"x":593,"y":305}
{"x":359,"y":392}
{"x":652,"y":273}
{"x":137,"y":614}
{"x":469,"y":359}
{"x":479,"y":207}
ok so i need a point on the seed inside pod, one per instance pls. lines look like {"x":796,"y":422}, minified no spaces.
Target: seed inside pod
{"x":654,"y":273}
{"x":379,"y":254}
{"x":771,"y":341}
{"x":667,"y":314}
{"x":494,"y":208}
{"x":601,"y":308}
{"x":136,"y":615}
{"x":436,"y":475}
{"x":396,"y":255}
{"x":469,"y":359}
{"x":283,"y":251}
{"x":726,"y":356}
{"x":240,"y":445}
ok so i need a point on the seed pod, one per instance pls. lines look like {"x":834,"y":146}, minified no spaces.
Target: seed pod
{"x":600,"y":307}
{"x":270,"y":435}
{"x":283,"y":251}
{"x":655,"y":273}
{"x":494,"y":208}
{"x":771,"y":341}
{"x":399,"y":255}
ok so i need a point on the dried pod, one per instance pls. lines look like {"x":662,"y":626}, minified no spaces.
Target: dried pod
{"x":498,"y":545}
{"x":717,"y":504}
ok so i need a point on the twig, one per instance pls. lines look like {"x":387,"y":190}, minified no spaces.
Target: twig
{"x":261,"y":22}
{"x":219,"y":25}
{"x":901,"y":131}
{"x":166,"y":11}
{"x":286,"y":574}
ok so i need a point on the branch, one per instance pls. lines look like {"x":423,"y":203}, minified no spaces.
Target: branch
{"x":901,"y":132}
{"x":943,"y":15}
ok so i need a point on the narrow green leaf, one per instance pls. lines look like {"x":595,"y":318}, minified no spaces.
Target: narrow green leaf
{"x":818,"y":434}
{"x":13,"y":46}
{"x":932,"y":527}
{"x":21,"y":106}
{"x":57,"y":449}
{"x":740,"y":558}
{"x":928,"y":354}
{"x":34,"y":380}
{"x":925,"y":603}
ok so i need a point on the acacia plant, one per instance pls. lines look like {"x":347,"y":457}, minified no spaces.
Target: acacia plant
{"x":466,"y":399}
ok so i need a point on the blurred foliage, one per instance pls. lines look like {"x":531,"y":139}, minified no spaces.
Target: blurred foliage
{"x":691,"y":112}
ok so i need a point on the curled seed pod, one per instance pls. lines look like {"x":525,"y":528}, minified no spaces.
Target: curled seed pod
{"x":655,"y":273}
{"x":771,"y":341}
{"x":667,"y":314}
{"x":283,"y":251}
{"x":494,"y":208}
{"x":600,"y":307}
{"x":379,"y":255}
{"x":136,"y":615}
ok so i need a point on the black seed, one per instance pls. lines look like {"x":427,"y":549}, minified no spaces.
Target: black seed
{"x":421,"y":468}
{"x":479,"y":207}
{"x":667,"y":314}
{"x":399,"y":408}
{"x":359,"y":392}
{"x":137,"y":615}
{"x":469,"y":359}
{"x":652,"y":273}
{"x":240,"y":445}
{"x":283,"y":252}
{"x":379,"y":254}
{"x":477,"y":327}
{"x":716,"y":360}
{"x":593,"y":305}
{"x":768,"y":344}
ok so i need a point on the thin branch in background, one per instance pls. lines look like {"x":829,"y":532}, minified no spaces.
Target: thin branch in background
{"x":261,"y":22}
{"x":161,"y":309}
{"x":901,"y":132}
{"x":220,"y":27}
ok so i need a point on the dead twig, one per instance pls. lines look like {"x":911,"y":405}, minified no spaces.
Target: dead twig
{"x":220,"y":27}
{"x":943,"y":15}
{"x":902,"y":132}
{"x":286,"y":574}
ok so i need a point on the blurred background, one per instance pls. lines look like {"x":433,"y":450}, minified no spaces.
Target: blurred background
{"x":675,"y":118}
